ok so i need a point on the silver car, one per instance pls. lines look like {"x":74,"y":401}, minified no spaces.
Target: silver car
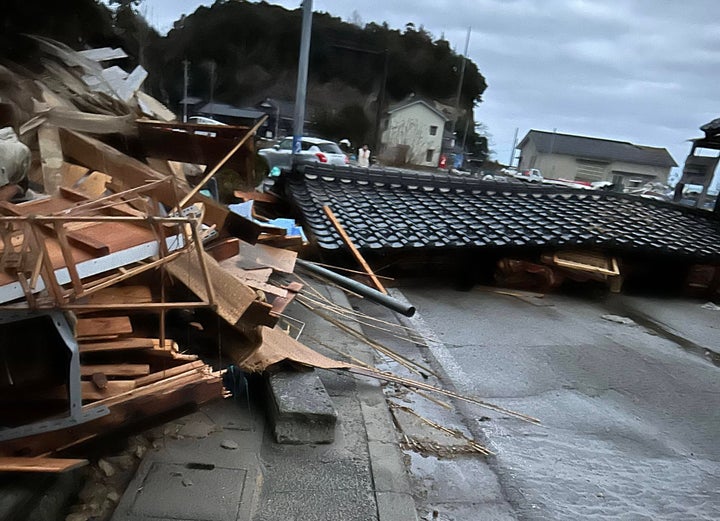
{"x":314,"y":152}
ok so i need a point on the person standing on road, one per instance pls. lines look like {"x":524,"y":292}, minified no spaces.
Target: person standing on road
{"x":364,"y":157}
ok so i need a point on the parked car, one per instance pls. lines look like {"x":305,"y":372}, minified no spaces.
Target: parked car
{"x":531,"y":175}
{"x":314,"y":152}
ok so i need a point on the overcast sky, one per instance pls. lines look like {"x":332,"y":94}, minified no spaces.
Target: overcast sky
{"x":644,"y":71}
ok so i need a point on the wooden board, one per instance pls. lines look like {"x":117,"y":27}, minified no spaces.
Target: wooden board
{"x":51,"y":465}
{"x":131,"y":370}
{"x":224,"y":248}
{"x":93,"y":185}
{"x":116,"y":345}
{"x":71,"y":174}
{"x":232,"y":296}
{"x":121,"y":295}
{"x":52,"y":156}
{"x":103,"y":326}
{"x":254,"y":278}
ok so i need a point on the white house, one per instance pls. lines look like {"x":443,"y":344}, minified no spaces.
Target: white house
{"x":412,"y":132}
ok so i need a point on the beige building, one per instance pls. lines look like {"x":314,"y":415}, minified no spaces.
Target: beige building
{"x":412,"y":132}
{"x":582,"y":158}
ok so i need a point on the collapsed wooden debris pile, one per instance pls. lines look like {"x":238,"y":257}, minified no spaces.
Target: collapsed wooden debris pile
{"x":103,"y":238}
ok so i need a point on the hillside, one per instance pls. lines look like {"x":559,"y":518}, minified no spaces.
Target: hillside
{"x":253,"y":48}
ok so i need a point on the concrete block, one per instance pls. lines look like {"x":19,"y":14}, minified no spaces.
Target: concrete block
{"x":300,"y":409}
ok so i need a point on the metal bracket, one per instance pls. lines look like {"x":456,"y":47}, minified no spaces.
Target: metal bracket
{"x":77,"y":414}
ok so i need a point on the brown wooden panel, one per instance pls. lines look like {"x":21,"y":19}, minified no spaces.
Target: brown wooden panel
{"x":103,"y":326}
{"x":121,"y":295}
{"x":51,"y":465}
{"x":116,"y":345}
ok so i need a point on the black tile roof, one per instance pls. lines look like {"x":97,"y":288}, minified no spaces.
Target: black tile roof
{"x":386,"y":211}
{"x":585,"y":147}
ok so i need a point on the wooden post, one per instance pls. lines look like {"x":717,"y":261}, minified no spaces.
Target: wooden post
{"x":346,"y":239}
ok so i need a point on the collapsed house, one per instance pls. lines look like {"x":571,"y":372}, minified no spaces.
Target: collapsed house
{"x":104,"y":239}
{"x":536,"y":236}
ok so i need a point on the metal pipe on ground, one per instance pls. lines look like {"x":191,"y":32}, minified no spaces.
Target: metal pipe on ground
{"x":361,"y":289}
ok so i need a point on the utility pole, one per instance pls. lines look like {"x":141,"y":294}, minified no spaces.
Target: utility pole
{"x":381,"y":101}
{"x":462,"y":74}
{"x":185,"y":89}
{"x":301,"y":90}
{"x":212,"y":88}
{"x":512,"y":150}
{"x":459,"y":90}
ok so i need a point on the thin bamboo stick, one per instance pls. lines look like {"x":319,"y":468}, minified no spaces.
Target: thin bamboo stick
{"x":427,"y":387}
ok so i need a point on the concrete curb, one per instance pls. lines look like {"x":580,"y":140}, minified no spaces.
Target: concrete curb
{"x":390,"y":477}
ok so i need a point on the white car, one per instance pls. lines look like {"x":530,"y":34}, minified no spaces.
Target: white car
{"x":531,"y":175}
{"x":202,"y":120}
{"x":314,"y":152}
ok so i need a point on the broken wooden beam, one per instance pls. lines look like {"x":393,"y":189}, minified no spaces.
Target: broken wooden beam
{"x":45,"y":465}
{"x":351,"y":246}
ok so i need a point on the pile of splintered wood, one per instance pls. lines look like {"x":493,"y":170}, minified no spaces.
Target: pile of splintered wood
{"x":107,"y":243}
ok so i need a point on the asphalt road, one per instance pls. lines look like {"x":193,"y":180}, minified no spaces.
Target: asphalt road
{"x":630,"y":420}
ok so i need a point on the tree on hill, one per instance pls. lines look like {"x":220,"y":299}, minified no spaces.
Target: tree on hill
{"x":255,"y":47}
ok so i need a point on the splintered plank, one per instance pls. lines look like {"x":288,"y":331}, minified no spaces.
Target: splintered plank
{"x":49,"y":465}
{"x":131,"y":370}
{"x":116,"y":345}
{"x":103,"y":326}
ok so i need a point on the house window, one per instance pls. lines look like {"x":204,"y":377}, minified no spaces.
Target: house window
{"x":590,"y":171}
{"x":433,"y":130}
{"x":429,"y":155}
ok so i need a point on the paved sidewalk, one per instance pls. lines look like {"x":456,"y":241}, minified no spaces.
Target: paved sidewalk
{"x":222,"y":464}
